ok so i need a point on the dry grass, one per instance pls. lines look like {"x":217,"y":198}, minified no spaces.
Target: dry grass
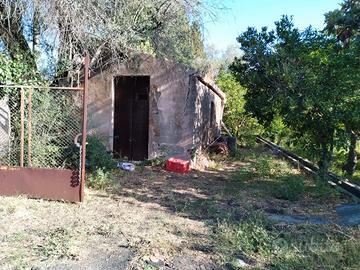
{"x":156,"y":214}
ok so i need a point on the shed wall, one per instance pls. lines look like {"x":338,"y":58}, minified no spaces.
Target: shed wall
{"x":179,"y":106}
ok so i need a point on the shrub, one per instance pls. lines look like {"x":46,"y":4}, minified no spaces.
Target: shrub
{"x":97,"y":156}
{"x":242,"y":125}
{"x":263,"y":167}
{"x":155,"y":162}
{"x":290,"y":188}
{"x":100,"y":179}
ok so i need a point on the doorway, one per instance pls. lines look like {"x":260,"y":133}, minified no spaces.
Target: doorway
{"x":131,"y":117}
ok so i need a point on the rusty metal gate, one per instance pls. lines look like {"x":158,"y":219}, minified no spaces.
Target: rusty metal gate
{"x":40,"y":152}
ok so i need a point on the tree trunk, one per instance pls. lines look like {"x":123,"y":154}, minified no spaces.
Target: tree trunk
{"x":352,"y":157}
{"x":11,"y":32}
{"x":36,"y":33}
{"x":326,"y":158}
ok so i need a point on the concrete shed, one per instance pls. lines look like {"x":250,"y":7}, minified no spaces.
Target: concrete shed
{"x":149,"y":107}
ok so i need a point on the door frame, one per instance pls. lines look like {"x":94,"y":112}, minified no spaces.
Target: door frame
{"x":111,"y":132}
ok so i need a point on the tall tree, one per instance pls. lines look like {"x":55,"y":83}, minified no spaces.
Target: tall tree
{"x":105,"y":28}
{"x":302,"y":77}
{"x":344,"y":23}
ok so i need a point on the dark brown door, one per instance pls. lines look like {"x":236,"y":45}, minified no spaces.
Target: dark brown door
{"x":131,"y":117}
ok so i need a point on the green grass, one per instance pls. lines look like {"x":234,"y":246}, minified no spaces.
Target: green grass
{"x":291,"y":187}
{"x":242,"y":175}
{"x":266,"y":246}
{"x":247,"y":238}
{"x":268,"y":175}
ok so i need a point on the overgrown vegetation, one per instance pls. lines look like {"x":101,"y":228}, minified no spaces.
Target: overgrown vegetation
{"x":101,"y":179}
{"x":97,"y":156}
{"x":100,"y":164}
{"x":54,"y":123}
{"x":109,"y":31}
{"x":255,"y":242}
{"x":302,"y":86}
{"x":289,"y":247}
{"x":291,"y":188}
{"x":241,"y":124}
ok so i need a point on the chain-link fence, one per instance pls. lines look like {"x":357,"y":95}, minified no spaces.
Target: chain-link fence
{"x":38,"y":127}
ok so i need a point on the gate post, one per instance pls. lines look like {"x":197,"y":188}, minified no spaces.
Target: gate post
{"x":22,"y":126}
{"x":84,"y":127}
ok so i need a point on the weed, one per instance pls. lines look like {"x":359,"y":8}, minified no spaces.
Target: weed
{"x":291,"y":187}
{"x":249,"y":237}
{"x":155,"y":162}
{"x":18,"y":261}
{"x":101,"y":179}
{"x":270,"y":247}
{"x":318,"y":250}
{"x":56,"y":244}
{"x":263,"y":167}
{"x":105,"y":229}
{"x":11,"y":209}
{"x":97,"y":155}
{"x":202,"y":208}
{"x":322,"y":189}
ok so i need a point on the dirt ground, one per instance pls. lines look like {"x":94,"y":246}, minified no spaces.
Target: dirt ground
{"x":152,"y":219}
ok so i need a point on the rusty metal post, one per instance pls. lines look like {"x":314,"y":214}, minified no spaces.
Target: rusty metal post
{"x":84,"y":126}
{"x":29,"y":126}
{"x":22,"y":131}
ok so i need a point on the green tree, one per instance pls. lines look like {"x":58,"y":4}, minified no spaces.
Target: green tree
{"x":197,"y":41}
{"x":64,"y":30}
{"x":241,"y":124}
{"x":344,"y":23}
{"x":300,"y":76}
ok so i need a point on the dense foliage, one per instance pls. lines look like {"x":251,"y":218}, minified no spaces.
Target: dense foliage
{"x":241,"y":124}
{"x":53,"y":35}
{"x":55,"y":118}
{"x":307,"y":79}
{"x":18,"y":71}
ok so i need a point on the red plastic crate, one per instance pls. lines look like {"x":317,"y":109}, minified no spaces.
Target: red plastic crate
{"x":177,"y":165}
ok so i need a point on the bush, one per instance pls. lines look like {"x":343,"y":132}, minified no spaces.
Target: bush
{"x":155,"y":162}
{"x":97,"y":156}
{"x":100,"y":179}
{"x":291,"y":188}
{"x":242,"y":125}
{"x":263,"y":166}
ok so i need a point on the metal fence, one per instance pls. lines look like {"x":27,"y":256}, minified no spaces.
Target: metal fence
{"x":41,"y":154}
{"x":38,"y":127}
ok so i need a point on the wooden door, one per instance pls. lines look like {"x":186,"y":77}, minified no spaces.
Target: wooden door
{"x":131,"y":117}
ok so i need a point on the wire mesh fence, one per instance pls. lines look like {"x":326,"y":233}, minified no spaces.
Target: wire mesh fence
{"x":38,"y":127}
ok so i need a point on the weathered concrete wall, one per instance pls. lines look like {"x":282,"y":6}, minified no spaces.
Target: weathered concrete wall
{"x":179,"y":106}
{"x":206,"y":126}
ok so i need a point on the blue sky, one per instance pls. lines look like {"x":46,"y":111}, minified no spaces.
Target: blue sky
{"x":239,"y":14}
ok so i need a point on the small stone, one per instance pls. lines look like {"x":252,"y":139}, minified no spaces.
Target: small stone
{"x":154,"y":261}
{"x":238,"y":262}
